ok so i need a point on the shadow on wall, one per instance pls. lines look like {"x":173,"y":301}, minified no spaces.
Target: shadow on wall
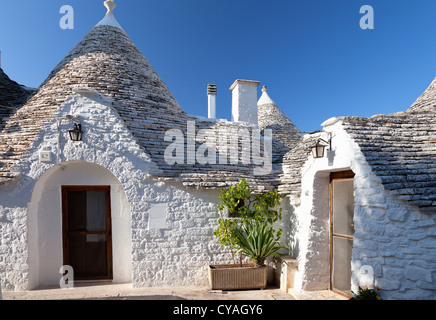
{"x":289,"y":225}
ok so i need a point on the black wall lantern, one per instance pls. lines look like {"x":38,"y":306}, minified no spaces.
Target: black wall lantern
{"x":319,"y":149}
{"x":76,"y":133}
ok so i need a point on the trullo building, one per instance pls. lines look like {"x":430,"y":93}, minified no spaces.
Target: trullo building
{"x":144,"y":179}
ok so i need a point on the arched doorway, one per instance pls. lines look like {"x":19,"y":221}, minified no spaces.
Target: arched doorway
{"x":45,"y":221}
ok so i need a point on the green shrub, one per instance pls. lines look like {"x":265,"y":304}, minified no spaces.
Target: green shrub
{"x":366,"y":294}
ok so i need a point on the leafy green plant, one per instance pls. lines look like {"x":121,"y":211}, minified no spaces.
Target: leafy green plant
{"x":257,"y":241}
{"x":366,"y":294}
{"x":243,"y":208}
{"x":234,"y":199}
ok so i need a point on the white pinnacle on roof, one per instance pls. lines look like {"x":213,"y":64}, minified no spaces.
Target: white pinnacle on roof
{"x":269,"y":114}
{"x":109,"y":19}
{"x":265,"y":99}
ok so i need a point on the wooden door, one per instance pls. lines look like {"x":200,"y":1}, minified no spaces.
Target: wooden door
{"x":87,"y":231}
{"x":341,"y":231}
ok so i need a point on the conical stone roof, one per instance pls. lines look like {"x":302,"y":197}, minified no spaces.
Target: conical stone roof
{"x":271,"y":117}
{"x":427,"y":101}
{"x":12,"y":96}
{"x":269,"y":114}
{"x":107,"y":61}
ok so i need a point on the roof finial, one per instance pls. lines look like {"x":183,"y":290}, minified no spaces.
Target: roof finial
{"x":109,"y":19}
{"x":110,"y":5}
{"x":265,"y":99}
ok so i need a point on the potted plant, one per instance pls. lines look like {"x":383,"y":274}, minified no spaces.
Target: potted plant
{"x":248,"y":230}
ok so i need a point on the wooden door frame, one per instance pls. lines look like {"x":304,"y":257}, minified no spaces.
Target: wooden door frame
{"x":336,"y":176}
{"x":108,"y":232}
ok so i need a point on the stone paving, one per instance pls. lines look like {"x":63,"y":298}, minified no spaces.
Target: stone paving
{"x":101,"y":291}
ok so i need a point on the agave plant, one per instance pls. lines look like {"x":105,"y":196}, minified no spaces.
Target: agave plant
{"x":257,"y":241}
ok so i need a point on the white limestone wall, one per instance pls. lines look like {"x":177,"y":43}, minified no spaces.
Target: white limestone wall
{"x":162,"y":233}
{"x":14,"y":255}
{"x":179,"y":251}
{"x":396,"y":241}
{"x":394,"y":244}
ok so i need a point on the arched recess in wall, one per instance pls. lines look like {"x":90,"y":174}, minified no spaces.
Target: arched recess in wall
{"x":45,"y":221}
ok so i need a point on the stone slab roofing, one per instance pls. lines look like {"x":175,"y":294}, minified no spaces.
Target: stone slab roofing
{"x":426,"y":101}
{"x":12,"y":96}
{"x":399,"y":150}
{"x":107,"y":61}
{"x":293,"y":162}
{"x":270,"y":116}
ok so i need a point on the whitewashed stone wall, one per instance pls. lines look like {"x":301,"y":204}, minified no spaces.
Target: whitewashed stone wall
{"x":179,"y":253}
{"x":171,"y":241}
{"x":396,"y":240}
{"x":13,"y":247}
{"x":392,"y":239}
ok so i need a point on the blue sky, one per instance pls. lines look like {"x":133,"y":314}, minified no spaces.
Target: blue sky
{"x":312,"y":54}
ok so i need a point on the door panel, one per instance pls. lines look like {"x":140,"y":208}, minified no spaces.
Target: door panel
{"x":95,"y":210}
{"x":341,"y":274}
{"x":343,"y":207}
{"x":87,"y":232}
{"x":88,"y":259}
{"x":76,"y":211}
{"x":342,"y":231}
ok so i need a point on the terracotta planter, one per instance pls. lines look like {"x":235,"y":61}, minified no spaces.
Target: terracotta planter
{"x":235,"y":277}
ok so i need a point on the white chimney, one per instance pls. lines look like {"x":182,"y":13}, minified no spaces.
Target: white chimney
{"x":211,"y":94}
{"x":244,"y":101}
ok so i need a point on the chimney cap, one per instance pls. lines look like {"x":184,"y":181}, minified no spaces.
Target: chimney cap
{"x":240,"y":81}
{"x":211,"y":90}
